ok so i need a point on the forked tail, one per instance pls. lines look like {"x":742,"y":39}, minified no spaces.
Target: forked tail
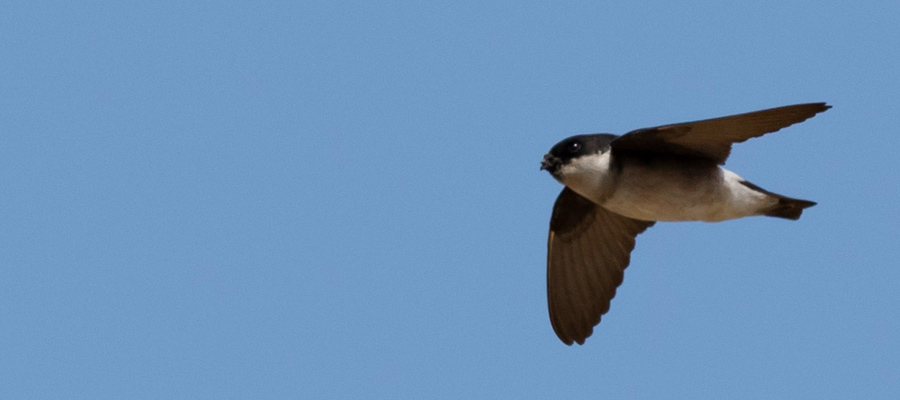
{"x":786,"y":207}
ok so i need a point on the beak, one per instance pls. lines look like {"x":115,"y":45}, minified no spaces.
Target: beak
{"x":549,"y":163}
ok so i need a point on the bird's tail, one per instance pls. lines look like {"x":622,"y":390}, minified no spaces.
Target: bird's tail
{"x":786,"y":207}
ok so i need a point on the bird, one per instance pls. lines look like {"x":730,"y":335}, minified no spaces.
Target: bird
{"x":617,"y":186}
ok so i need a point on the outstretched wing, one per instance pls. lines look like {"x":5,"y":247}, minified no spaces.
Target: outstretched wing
{"x":712,"y":138}
{"x":588,"y":250}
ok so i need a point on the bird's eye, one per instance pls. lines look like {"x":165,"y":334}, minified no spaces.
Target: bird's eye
{"x":574,"y":147}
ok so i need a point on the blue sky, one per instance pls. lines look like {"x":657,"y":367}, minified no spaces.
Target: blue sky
{"x":326,"y":199}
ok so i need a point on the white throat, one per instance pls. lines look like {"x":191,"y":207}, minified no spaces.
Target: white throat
{"x":588,"y":175}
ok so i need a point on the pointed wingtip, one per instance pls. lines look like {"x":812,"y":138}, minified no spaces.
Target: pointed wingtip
{"x":811,"y":109}
{"x":822,"y":107}
{"x":817,"y":107}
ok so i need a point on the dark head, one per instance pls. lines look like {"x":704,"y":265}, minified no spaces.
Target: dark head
{"x":573,"y":148}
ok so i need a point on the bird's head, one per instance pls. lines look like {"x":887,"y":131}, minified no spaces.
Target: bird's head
{"x":578,"y":158}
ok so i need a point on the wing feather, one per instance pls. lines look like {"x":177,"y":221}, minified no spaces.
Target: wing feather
{"x":588,"y":250}
{"x":712,"y":138}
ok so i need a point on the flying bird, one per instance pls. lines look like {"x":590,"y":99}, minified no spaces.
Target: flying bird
{"x":618,"y":186}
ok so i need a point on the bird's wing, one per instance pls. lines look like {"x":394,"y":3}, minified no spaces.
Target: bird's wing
{"x":712,"y":138}
{"x":587,"y":251}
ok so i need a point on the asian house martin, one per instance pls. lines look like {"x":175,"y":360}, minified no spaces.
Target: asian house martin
{"x":618,"y":186}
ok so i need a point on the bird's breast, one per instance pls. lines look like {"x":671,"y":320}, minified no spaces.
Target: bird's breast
{"x":674,"y":189}
{"x":592,"y":176}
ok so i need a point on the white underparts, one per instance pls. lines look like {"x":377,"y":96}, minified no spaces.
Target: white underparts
{"x":663,"y":193}
{"x":587,"y":175}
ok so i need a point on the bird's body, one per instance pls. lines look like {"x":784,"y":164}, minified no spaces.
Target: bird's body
{"x":666,"y":188}
{"x":693,"y":193}
{"x":618,"y":186}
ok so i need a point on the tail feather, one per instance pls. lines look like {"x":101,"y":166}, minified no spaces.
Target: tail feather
{"x":786,"y":207}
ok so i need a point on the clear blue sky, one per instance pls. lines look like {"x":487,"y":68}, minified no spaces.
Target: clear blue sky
{"x":324,"y":199}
